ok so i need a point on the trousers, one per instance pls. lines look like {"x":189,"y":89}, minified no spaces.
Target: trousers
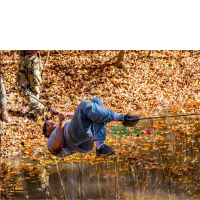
{"x":90,"y":121}
{"x":29,"y":78}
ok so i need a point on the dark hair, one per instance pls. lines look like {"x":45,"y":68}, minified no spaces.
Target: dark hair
{"x":45,"y":129}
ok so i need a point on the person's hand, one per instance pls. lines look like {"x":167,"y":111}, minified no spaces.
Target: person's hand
{"x":55,"y":111}
{"x":62,"y":116}
{"x":70,"y":115}
{"x":130,"y":120}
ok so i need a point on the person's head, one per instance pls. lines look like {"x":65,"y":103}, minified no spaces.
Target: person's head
{"x":48,"y":127}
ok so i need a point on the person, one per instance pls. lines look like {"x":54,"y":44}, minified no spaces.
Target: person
{"x":29,"y":79}
{"x":3,"y":102}
{"x":88,"y":124}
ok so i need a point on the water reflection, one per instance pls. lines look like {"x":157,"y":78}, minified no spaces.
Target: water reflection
{"x":164,"y":165}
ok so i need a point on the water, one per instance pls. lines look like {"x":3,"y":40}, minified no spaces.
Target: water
{"x":164,"y":165}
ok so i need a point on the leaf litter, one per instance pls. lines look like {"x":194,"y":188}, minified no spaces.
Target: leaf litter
{"x":151,"y":83}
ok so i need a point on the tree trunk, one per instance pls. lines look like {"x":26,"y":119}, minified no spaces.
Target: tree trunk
{"x":121,"y":59}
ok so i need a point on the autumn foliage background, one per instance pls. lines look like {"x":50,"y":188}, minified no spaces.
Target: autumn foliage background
{"x":149,"y":83}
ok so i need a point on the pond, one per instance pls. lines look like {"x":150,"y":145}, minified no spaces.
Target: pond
{"x":163,"y":164}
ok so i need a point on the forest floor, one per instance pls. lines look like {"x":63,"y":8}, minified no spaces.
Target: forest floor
{"x":150,"y":82}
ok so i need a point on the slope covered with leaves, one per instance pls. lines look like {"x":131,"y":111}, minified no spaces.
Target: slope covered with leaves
{"x":149,"y":83}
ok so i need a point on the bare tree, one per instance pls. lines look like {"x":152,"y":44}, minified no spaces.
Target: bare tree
{"x":121,"y":58}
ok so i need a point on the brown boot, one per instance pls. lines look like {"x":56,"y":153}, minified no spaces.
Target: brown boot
{"x":4,"y":115}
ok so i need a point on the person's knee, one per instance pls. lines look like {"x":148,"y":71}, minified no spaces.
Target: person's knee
{"x":97,"y":101}
{"x":86,"y":106}
{"x":85,"y":103}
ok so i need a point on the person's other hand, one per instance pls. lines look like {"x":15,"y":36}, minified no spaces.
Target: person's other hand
{"x":70,"y":115}
{"x":55,"y":111}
